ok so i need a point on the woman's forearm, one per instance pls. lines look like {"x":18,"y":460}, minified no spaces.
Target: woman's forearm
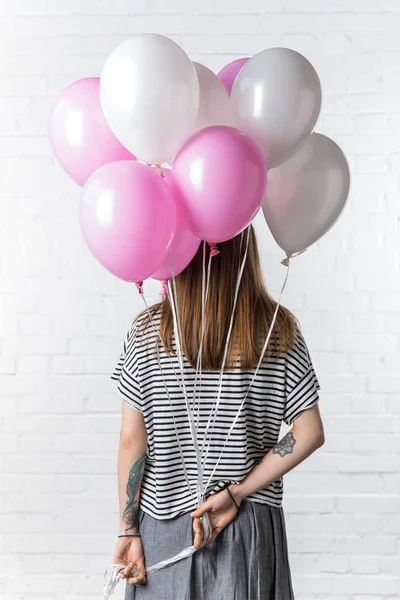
{"x":131,"y":461}
{"x":290,"y":451}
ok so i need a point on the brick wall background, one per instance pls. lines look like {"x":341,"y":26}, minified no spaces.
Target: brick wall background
{"x":63,"y":318}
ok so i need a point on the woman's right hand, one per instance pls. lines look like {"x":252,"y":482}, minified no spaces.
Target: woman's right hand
{"x":129,"y":552}
{"x":221,"y":511}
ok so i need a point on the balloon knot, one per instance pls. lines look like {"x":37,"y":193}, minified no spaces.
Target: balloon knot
{"x":157,"y":169}
{"x":286,"y":260}
{"x":163,"y":291}
{"x":214,"y":250}
{"x":139,"y":285}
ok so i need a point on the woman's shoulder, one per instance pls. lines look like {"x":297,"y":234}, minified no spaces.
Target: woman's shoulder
{"x":299,"y":354}
{"x":144,"y":328}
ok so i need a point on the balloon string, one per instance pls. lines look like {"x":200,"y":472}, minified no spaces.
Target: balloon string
{"x":111,"y":580}
{"x":157,"y":335}
{"x":207,"y":530}
{"x":213,"y":416}
{"x":255,"y":372}
{"x":193,"y":431}
{"x":199,"y":363}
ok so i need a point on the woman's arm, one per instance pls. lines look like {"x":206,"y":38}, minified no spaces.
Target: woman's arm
{"x":131,"y":460}
{"x":302,"y":440}
{"x":306,"y":436}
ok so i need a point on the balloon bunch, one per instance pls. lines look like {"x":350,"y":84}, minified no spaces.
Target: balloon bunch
{"x":117,"y":136}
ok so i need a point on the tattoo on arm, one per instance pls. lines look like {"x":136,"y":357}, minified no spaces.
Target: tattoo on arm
{"x":285,"y":445}
{"x":131,"y":513}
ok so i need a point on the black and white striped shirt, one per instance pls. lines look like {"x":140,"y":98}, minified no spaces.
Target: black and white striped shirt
{"x":284,"y":387}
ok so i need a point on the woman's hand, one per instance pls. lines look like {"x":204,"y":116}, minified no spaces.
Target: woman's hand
{"x":221,"y":511}
{"x":129,"y":552}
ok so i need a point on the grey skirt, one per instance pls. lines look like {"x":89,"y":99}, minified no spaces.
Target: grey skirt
{"x":247,"y":561}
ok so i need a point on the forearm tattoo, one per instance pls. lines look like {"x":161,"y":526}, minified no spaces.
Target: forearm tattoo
{"x":285,"y":445}
{"x":131,"y":513}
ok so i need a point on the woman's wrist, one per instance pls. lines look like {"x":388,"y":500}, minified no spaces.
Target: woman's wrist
{"x":237,"y":492}
{"x":133,"y":531}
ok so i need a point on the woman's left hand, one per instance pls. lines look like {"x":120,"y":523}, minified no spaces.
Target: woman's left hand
{"x":221,"y":511}
{"x":129,"y":552}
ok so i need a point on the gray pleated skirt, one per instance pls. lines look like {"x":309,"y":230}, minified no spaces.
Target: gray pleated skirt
{"x":247,"y":561}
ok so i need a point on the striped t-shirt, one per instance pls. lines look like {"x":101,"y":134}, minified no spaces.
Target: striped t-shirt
{"x":284,"y":387}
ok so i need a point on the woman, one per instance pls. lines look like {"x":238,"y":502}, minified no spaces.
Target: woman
{"x":247,"y":556}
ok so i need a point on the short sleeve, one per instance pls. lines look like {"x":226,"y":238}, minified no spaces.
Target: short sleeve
{"x":126,"y":373}
{"x":301,"y":385}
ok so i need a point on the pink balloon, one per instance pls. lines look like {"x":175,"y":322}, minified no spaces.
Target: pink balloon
{"x":184,"y":245}
{"x":128,"y":218}
{"x":79,"y":133}
{"x":228,"y":74}
{"x":219,"y":175}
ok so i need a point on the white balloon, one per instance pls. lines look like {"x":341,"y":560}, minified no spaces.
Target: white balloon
{"x":150,"y":96}
{"x":276,"y":98}
{"x":214,"y":107}
{"x":307,"y":194}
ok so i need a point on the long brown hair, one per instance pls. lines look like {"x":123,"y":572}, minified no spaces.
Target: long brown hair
{"x":253,"y":313}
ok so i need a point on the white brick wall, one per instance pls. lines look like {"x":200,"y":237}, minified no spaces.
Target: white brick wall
{"x":63,"y":318}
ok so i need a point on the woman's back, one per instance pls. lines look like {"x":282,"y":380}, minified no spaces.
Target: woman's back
{"x":151,"y":382}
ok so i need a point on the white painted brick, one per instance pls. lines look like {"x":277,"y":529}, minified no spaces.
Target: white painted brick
{"x":366,"y":363}
{"x":34,"y":443}
{"x":339,"y":484}
{"x":331,"y":524}
{"x":373,"y":123}
{"x":363,"y":343}
{"x":7,"y":366}
{"x":89,"y":346}
{"x":365,"y":545}
{"x":34,"y":324}
{"x":369,"y":464}
{"x":368,"y":404}
{"x":333,"y":564}
{"x":372,"y":163}
{"x":8,"y":443}
{"x":334,"y":384}
{"x":33,"y":364}
{"x":43,"y":344}
{"x":386,"y":302}
{"x":312,"y":584}
{"x":388,"y":384}
{"x":67,"y":364}
{"x":364,"y":504}
{"x":390,"y":564}
{"x":366,"y":585}
{"x":364,"y":564}
{"x":334,"y":405}
{"x":304,"y":504}
{"x":376,"y":442}
{"x":370,"y":324}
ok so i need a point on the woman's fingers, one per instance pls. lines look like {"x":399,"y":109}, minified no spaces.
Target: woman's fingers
{"x":198,"y":533}
{"x":134,"y":574}
{"x":202,"y":509}
{"x":197,"y":525}
{"x":126,"y":572}
{"x":136,"y":580}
